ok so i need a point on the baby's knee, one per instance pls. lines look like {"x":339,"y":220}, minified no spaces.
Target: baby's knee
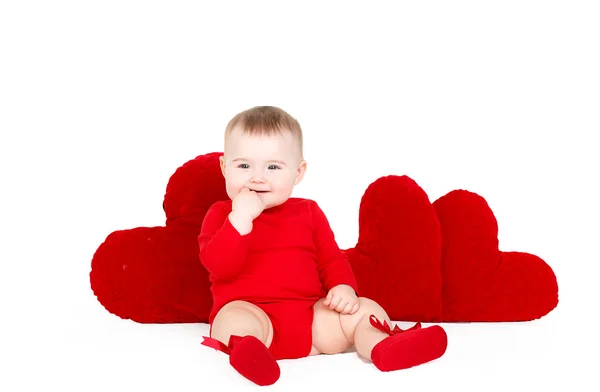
{"x":242,"y":318}
{"x":367,"y":307}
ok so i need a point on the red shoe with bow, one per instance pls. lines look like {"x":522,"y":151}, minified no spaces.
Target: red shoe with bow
{"x":250,"y":357}
{"x":407,"y":348}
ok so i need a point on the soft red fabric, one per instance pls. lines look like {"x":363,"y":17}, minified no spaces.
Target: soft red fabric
{"x":398,"y":254}
{"x":250,"y":357}
{"x":288,"y":261}
{"x":410,"y":349}
{"x":421,"y":261}
{"x":152,"y":274}
{"x":290,"y":255}
{"x":292,"y":327}
{"x":404,"y":349}
{"x":482,"y":283}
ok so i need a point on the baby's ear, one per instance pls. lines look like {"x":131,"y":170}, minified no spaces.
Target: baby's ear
{"x":222,"y":164}
{"x":300,"y":172}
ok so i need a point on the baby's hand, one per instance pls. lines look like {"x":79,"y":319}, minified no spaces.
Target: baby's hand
{"x":343,"y":299}
{"x":248,"y":203}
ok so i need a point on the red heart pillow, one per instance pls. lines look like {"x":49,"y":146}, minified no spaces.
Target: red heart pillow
{"x":421,"y":261}
{"x":482,"y":283}
{"x":441,"y":262}
{"x":153,"y":274}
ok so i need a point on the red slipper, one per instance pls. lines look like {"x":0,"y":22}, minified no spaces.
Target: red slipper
{"x":407,"y":348}
{"x":250,"y":357}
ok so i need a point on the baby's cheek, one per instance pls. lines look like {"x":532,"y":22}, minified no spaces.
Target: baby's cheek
{"x":235,"y":182}
{"x":233,"y":187}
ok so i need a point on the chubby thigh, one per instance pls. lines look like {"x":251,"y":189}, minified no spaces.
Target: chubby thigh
{"x":328,"y":336}
{"x":334,"y":332}
{"x":242,"y":318}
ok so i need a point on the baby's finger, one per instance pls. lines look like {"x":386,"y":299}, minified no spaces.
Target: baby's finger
{"x":335,"y":301}
{"x":347,"y":308}
{"x":354,"y":308}
{"x":341,"y":306}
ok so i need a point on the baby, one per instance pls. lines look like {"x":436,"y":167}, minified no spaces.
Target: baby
{"x":281,"y":286}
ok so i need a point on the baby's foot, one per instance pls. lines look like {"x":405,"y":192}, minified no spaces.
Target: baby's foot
{"x":407,"y":348}
{"x":250,"y":357}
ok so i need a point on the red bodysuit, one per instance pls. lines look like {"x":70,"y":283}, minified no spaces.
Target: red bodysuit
{"x":284,"y":266}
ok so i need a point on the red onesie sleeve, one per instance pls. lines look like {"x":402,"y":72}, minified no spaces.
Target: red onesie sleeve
{"x":222,"y":249}
{"x":334,"y":267}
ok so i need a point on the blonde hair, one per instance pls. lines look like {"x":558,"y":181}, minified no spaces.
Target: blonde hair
{"x":266,"y":121}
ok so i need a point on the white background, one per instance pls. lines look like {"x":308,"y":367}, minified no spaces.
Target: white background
{"x":100,"y":102}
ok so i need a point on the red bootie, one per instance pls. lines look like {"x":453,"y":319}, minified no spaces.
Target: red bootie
{"x":250,"y":357}
{"x":407,"y":348}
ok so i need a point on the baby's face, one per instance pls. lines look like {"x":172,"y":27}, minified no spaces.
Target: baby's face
{"x":269,"y":165}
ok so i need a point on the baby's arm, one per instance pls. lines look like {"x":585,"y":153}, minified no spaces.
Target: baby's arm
{"x":334,"y":267}
{"x":222,"y":248}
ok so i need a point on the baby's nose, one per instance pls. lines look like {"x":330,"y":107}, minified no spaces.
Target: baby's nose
{"x":257,"y":178}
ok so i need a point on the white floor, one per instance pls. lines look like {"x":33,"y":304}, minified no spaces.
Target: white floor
{"x":107,"y":354}
{"x":69,"y":341}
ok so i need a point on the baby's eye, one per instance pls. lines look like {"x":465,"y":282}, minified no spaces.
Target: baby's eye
{"x":243,"y":166}
{"x":273,"y":167}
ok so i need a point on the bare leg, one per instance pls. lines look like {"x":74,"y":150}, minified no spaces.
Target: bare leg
{"x":245,"y":333}
{"x":335,"y":333}
{"x":240,"y":318}
{"x":359,"y":330}
{"x":387,"y":349}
